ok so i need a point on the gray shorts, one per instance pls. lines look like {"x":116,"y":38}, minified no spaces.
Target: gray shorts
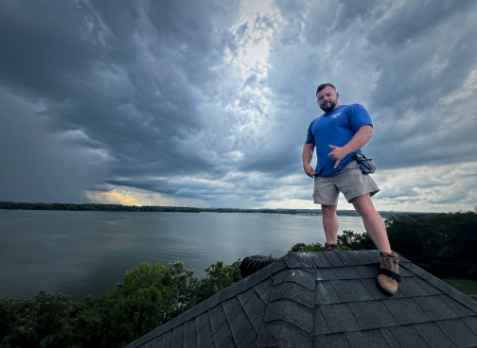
{"x":349,"y":180}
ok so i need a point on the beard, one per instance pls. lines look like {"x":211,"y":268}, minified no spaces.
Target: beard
{"x":329,"y":107}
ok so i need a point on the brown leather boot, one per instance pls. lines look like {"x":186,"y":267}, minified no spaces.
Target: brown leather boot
{"x":389,"y":278}
{"x":330,"y":247}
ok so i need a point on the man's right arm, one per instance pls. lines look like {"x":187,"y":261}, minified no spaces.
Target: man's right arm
{"x":307,"y":156}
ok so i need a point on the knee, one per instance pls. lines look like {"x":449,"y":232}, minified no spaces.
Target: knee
{"x":364,"y":210}
{"x":328,"y":210}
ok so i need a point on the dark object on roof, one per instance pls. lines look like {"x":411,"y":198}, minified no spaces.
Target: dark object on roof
{"x":325,"y":299}
{"x":254,"y":263}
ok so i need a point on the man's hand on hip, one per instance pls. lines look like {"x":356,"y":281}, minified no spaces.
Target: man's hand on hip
{"x":337,"y":154}
{"x":309,"y":171}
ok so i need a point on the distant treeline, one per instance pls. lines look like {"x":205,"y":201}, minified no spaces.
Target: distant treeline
{"x":157,"y":208}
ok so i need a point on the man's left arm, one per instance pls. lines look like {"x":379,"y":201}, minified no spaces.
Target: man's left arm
{"x":360,"y":139}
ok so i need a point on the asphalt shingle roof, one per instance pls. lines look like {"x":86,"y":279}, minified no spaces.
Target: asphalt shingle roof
{"x":325,"y":299}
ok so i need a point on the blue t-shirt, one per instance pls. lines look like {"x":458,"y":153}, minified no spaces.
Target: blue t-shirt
{"x":336,"y":128}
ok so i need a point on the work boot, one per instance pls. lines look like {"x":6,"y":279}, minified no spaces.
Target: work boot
{"x":389,"y":278}
{"x":330,"y":247}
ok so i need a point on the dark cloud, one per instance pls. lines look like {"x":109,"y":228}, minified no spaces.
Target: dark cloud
{"x":158,"y":96}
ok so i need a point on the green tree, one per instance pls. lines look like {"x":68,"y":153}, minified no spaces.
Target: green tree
{"x":140,"y":304}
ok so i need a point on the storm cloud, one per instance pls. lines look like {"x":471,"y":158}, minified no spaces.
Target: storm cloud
{"x":207,"y":103}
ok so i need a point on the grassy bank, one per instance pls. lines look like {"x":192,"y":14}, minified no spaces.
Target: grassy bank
{"x":468,"y":287}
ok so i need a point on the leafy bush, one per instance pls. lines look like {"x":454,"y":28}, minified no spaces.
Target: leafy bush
{"x":149,"y":296}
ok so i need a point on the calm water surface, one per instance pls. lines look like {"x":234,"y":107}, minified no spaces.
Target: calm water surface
{"x":80,"y":253}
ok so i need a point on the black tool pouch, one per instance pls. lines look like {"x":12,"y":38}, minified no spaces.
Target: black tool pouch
{"x":366,"y":164}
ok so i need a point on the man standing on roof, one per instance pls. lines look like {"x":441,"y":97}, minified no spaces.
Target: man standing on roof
{"x":338,"y":136}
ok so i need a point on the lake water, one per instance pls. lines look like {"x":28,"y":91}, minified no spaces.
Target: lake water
{"x":80,"y":253}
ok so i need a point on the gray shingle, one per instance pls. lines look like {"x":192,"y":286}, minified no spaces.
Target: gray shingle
{"x":157,"y":342}
{"x":269,"y":335}
{"x":203,"y":307}
{"x":349,"y":258}
{"x":263,"y":286}
{"x":298,"y":276}
{"x":244,"y":284}
{"x":248,"y":340}
{"x":404,"y":272}
{"x":231,"y":344}
{"x":325,"y":293}
{"x":333,"y":258}
{"x":266,"y":295}
{"x":279,"y":334}
{"x":464,"y":299}
{"x":201,"y":321}
{"x":217,"y":319}
{"x":231,"y":309}
{"x":367,"y":257}
{"x":372,"y":315}
{"x":320,"y":326}
{"x":188,"y":315}
{"x":298,"y":260}
{"x":433,"y":335}
{"x":304,"y":260}
{"x":346,"y":273}
{"x":218,"y":298}
{"x":189,"y":329}
{"x":293,"y":292}
{"x":436,"y":308}
{"x":253,"y":343}
{"x":231,"y":291}
{"x":458,"y":332}
{"x":331,"y":341}
{"x":290,"y":312}
{"x":471,"y":322}
{"x":457,"y":307}
{"x":178,"y":335}
{"x":242,"y":328}
{"x":259,"y":320}
{"x":408,"y":337}
{"x":213,"y":310}
{"x":191,"y":342}
{"x":245,"y":296}
{"x":320,"y":260}
{"x":409,"y":287}
{"x":339,"y":318}
{"x":369,"y":271}
{"x":406,"y":311}
{"x":292,"y":337}
{"x":325,"y":274}
{"x":351,"y":290}
{"x":278,"y":266}
{"x":253,"y":280}
{"x":389,"y":338}
{"x":431,"y":290}
{"x":167,"y":340}
{"x":370,"y":285}
{"x":266,"y":272}
{"x":254,"y":307}
{"x":416,"y":270}
{"x":205,"y":336}
{"x":290,"y":260}
{"x":223,"y":334}
{"x":366,"y":339}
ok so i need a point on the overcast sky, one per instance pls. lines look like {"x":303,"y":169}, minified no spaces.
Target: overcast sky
{"x":207,"y":103}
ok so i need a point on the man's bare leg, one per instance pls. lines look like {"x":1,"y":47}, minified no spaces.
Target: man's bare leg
{"x":373,"y":222}
{"x":330,"y":222}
